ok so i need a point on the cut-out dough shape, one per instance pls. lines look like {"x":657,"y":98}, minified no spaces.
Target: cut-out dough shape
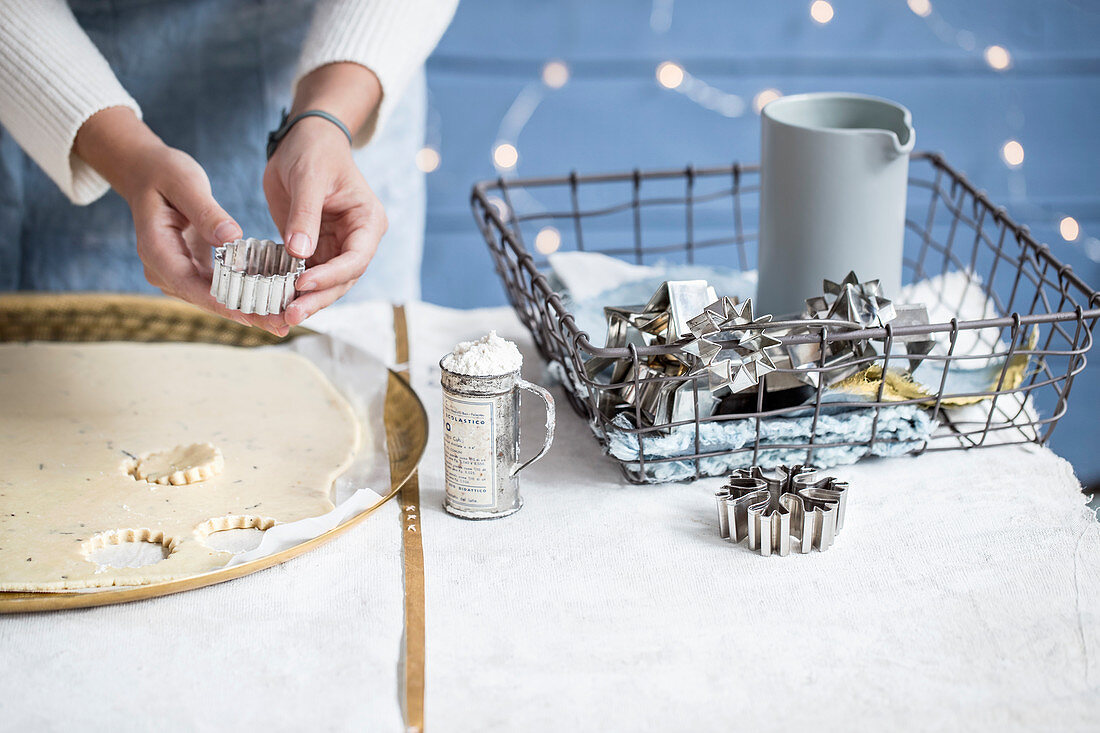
{"x":234,"y":533}
{"x":127,"y":548}
{"x":184,"y":464}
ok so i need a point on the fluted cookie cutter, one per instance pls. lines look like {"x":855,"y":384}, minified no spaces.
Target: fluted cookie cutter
{"x":255,"y":276}
{"x":782,"y":508}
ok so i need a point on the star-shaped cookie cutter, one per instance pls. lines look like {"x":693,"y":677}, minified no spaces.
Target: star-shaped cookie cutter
{"x":788,"y":507}
{"x":746,"y":363}
{"x":851,"y":300}
{"x":861,"y":305}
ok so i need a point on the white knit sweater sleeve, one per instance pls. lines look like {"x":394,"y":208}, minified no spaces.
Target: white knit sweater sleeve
{"x":392,"y":38}
{"x":52,"y":79}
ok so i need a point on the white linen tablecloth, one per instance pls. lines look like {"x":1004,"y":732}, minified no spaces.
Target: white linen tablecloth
{"x":963,"y":592}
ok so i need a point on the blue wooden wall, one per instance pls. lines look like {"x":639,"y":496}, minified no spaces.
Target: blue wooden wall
{"x":612,"y":114}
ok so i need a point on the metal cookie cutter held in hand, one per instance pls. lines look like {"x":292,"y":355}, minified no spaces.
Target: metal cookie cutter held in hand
{"x":481,"y":442}
{"x":772,"y":507}
{"x":255,"y":276}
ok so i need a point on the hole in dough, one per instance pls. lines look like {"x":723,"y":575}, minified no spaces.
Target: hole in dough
{"x":234,"y":533}
{"x":127,"y":548}
{"x":184,"y":464}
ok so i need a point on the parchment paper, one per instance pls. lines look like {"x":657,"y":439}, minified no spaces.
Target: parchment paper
{"x":362,"y":379}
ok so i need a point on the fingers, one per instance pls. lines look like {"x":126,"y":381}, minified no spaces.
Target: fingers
{"x":337,"y":271}
{"x":169,"y":266}
{"x":307,"y":200}
{"x":191,"y":196}
{"x":358,"y":248}
{"x":275,"y":324}
{"x":322,"y":285}
{"x":307,"y":304}
{"x":200,"y":251}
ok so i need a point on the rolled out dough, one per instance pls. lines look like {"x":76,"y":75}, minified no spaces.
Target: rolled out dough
{"x":73,"y":417}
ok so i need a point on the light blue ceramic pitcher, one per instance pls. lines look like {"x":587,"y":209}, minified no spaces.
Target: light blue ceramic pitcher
{"x":832,"y":199}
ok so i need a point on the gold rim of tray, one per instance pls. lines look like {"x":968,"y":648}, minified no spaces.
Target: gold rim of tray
{"x":110,"y":317}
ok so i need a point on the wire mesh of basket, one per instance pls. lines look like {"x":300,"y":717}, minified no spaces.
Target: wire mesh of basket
{"x":1033,"y":328}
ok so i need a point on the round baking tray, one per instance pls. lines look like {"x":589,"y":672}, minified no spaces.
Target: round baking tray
{"x":109,"y":317}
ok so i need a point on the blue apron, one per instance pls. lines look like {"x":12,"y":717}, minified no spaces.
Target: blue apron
{"x":211,"y":77}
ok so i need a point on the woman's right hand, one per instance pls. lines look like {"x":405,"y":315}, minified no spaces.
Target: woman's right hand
{"x":176,"y":218}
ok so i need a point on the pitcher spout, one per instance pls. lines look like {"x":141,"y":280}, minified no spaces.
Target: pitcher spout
{"x":902,"y":138}
{"x":897,"y":143}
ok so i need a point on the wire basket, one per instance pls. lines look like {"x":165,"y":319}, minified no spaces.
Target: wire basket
{"x":1032,"y":330}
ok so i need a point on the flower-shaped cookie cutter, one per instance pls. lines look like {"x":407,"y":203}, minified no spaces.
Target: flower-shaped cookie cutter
{"x":782,"y":508}
{"x":255,"y":276}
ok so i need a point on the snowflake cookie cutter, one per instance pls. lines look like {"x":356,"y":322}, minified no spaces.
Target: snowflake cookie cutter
{"x":785,"y":508}
{"x":255,"y":276}
{"x":861,"y":305}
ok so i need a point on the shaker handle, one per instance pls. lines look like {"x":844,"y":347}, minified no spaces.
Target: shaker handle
{"x":550,"y":421}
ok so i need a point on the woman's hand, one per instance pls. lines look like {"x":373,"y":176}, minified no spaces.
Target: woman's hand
{"x":175,"y":215}
{"x":326,"y":211}
{"x":321,"y":203}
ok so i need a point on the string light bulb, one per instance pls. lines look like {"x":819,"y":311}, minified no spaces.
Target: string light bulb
{"x":923,"y":8}
{"x":1012,"y":153}
{"x":670,"y":74}
{"x":1069,"y":229}
{"x":998,"y":57}
{"x":763,"y":97}
{"x":505,"y":155}
{"x":548,"y":240}
{"x":821,"y":12}
{"x":555,"y":74}
{"x":427,"y":159}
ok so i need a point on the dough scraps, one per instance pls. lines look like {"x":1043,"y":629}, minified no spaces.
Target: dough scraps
{"x":71,"y":413}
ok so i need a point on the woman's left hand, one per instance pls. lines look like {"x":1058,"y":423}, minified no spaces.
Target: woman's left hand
{"x":326,"y":211}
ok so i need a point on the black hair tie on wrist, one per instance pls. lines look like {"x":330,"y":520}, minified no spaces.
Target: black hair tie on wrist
{"x":276,"y":136}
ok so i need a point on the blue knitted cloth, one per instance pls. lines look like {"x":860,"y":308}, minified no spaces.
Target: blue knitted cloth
{"x":901,"y":429}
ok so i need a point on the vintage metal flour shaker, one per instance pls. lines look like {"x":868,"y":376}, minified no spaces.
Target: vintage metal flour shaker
{"x":481,"y":439}
{"x":834,"y":177}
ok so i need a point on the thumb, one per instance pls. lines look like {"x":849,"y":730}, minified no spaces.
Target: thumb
{"x":307,"y":199}
{"x":212,"y":222}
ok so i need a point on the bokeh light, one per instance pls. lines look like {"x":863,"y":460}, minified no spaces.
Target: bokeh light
{"x":548,"y":240}
{"x":763,"y":97}
{"x":1069,"y":229}
{"x":670,"y":74}
{"x":1012,"y":152}
{"x":499,"y":206}
{"x":1092,"y":248}
{"x":555,"y":74}
{"x":998,"y":57}
{"x":923,"y":8}
{"x":505,"y":155}
{"x":427,"y":159}
{"x":821,"y":11}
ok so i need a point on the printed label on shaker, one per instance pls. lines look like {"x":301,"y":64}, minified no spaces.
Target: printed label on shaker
{"x":469,"y":453}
